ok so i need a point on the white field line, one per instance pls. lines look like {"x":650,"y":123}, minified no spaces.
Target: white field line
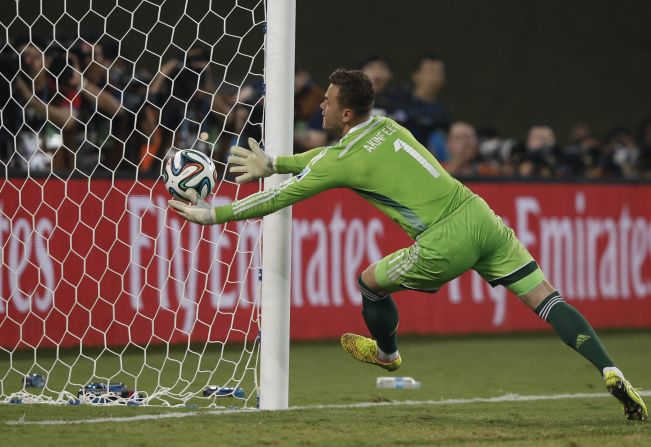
{"x":178,"y":415}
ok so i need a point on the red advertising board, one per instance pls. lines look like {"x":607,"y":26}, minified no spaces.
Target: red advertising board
{"x":105,"y":262}
{"x":593,"y":241}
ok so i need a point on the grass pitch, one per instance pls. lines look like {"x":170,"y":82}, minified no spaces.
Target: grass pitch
{"x":323,"y":375}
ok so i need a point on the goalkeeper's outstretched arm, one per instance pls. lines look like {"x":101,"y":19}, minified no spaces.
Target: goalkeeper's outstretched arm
{"x":254,"y":164}
{"x":322,"y":173}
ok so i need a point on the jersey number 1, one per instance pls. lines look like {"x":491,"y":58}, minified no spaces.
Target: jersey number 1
{"x":399,"y":144}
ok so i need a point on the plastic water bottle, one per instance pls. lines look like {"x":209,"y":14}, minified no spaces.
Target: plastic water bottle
{"x":398,"y":382}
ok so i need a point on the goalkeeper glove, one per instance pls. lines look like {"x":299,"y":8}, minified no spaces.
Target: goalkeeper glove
{"x":253,"y":163}
{"x":201,"y":212}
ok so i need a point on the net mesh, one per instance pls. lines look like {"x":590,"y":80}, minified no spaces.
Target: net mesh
{"x":105,"y":296}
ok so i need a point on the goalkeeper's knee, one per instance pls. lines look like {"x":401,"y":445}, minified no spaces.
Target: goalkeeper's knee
{"x":368,"y":293}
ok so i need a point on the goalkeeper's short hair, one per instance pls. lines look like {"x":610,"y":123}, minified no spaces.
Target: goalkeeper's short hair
{"x":355,"y":90}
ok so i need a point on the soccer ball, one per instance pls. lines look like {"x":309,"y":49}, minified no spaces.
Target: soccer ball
{"x":189,"y":170}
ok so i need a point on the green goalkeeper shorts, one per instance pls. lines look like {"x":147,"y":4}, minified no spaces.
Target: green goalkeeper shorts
{"x":471,"y":237}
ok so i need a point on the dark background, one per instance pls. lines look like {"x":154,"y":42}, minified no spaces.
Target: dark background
{"x":510,"y":64}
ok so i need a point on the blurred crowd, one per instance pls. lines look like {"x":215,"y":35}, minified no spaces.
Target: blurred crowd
{"x":469,"y":151}
{"x":80,"y":107}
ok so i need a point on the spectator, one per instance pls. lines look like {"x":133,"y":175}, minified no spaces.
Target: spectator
{"x":118,"y":66}
{"x":495,"y":150}
{"x":238,"y":113}
{"x":308,"y":132}
{"x":463,"y":148}
{"x":178,"y":110}
{"x":581,"y":155}
{"x":180,"y":90}
{"x":421,"y":111}
{"x":130,"y":88}
{"x":151,"y":140}
{"x":100,"y":109}
{"x":245,"y":116}
{"x":232,"y":117}
{"x":47,"y":102}
{"x":541,"y":153}
{"x":58,"y":101}
{"x":644,"y":162}
{"x":619,"y":155}
{"x":378,"y":70}
{"x":89,"y":60}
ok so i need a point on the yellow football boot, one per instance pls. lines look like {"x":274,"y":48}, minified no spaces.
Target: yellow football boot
{"x":634,"y":408}
{"x":365,"y":350}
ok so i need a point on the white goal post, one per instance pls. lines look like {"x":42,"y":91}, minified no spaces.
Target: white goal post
{"x":276,"y":250}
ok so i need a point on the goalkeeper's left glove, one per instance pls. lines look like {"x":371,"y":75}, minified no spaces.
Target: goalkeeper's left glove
{"x":254,"y":163}
{"x":201,"y":213}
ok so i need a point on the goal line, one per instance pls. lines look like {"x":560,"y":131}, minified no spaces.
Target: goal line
{"x":511,"y":397}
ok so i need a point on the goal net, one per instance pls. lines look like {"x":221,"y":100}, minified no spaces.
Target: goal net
{"x":106,"y":297}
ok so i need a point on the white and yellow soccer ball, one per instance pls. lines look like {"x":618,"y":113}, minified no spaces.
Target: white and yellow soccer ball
{"x":187,"y":172}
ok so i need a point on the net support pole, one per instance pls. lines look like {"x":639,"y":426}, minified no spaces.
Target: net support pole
{"x":276,"y":228}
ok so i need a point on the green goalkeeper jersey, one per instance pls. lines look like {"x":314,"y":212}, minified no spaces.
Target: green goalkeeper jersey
{"x":379,"y":160}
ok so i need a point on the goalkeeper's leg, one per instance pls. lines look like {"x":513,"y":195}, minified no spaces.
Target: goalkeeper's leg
{"x":416,"y":268}
{"x":579,"y":335}
{"x":381,"y":317}
{"x":501,"y":256}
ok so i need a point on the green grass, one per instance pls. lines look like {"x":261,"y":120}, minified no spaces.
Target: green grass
{"x":449,"y":368}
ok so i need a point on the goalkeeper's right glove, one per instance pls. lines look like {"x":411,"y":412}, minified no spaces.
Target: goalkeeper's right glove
{"x":254,"y":163}
{"x":201,"y":212}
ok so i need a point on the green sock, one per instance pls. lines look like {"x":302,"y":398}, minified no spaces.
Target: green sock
{"x":574,"y":330}
{"x":381,"y":318}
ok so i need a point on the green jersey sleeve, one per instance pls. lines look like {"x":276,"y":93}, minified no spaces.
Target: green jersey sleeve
{"x":324,"y":170}
{"x":294,"y":164}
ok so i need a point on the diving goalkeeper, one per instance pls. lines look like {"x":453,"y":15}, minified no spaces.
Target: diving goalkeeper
{"x":453,"y":229}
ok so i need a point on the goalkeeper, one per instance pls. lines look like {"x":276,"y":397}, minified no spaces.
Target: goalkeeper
{"x":453,"y":229}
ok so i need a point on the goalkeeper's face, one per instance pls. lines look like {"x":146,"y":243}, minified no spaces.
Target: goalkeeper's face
{"x":334,"y":116}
